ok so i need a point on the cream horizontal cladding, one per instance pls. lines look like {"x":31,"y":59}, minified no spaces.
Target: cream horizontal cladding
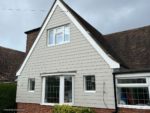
{"x":79,"y":56}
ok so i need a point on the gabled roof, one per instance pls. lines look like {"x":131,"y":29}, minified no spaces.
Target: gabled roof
{"x":94,"y":33}
{"x":91,"y":34}
{"x":10,"y":61}
{"x":132,"y":46}
{"x":97,"y":36}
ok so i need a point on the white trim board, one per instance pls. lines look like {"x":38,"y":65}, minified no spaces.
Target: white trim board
{"x":133,"y":75}
{"x":112,"y":63}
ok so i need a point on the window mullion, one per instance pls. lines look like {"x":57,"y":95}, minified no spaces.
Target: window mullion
{"x":148,"y":82}
{"x":54,"y":37}
{"x":43,"y":89}
{"x":61,"y":90}
{"x":63,"y":34}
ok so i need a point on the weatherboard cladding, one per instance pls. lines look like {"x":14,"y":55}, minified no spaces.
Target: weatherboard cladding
{"x":78,"y":55}
{"x":130,"y":48}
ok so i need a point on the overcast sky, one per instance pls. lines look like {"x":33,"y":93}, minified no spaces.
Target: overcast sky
{"x":108,"y":16}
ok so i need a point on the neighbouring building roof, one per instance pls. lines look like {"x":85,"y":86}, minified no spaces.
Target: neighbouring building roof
{"x":10,"y":61}
{"x":132,"y":46}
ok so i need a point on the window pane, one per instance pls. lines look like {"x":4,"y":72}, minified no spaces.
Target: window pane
{"x":90,"y":82}
{"x":132,"y":81}
{"x":60,"y":35}
{"x":68,"y":90}
{"x":31,"y":84}
{"x":67,"y":33}
{"x":52,"y":90}
{"x":134,"y":96}
{"x":51,"y":37}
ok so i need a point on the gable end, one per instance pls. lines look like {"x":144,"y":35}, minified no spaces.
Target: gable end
{"x":112,"y":63}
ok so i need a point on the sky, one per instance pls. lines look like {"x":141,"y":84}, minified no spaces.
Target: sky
{"x":108,"y":16}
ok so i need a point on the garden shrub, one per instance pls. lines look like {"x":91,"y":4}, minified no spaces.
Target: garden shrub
{"x":70,"y":109}
{"x":7,"y":96}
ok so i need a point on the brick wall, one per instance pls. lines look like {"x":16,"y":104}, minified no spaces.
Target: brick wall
{"x":124,"y":110}
{"x":31,"y":36}
{"x":33,"y":108}
{"x":36,"y":108}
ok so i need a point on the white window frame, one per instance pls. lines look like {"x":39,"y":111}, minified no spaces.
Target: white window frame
{"x":54,"y":35}
{"x":147,"y":84}
{"x":29,"y":85}
{"x":85,"y":90}
{"x":61,"y":91}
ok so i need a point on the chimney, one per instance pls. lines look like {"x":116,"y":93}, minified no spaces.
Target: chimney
{"x":31,"y":36}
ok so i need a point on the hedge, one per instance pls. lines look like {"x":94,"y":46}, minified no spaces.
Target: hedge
{"x":7,"y":96}
{"x":70,"y":109}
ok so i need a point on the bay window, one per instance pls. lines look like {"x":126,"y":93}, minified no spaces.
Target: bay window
{"x":58,"y":90}
{"x":133,"y":91}
{"x":59,"y":35}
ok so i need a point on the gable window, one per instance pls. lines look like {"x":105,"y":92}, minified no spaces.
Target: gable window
{"x":58,"y":90}
{"x":133,"y":91}
{"x":89,"y":83}
{"x":59,"y":35}
{"x":31,"y":84}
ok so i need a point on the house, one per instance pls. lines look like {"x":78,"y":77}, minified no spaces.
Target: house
{"x":10,"y":61}
{"x":72,"y":63}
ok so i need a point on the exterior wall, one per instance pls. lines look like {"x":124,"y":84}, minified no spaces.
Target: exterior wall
{"x":36,"y":108}
{"x":33,"y":108}
{"x":124,"y":110}
{"x":78,"y":55}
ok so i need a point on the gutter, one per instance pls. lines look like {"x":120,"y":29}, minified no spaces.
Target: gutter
{"x":116,"y":107}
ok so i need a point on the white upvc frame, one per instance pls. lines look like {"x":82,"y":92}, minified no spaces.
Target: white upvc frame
{"x":61,"y":91}
{"x":55,"y":33}
{"x":84,"y":84}
{"x":147,"y":84}
{"x":29,"y":85}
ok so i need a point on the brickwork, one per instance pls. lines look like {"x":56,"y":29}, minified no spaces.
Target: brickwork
{"x":33,"y":108}
{"x":31,"y":36}
{"x":36,"y":108}
{"x":10,"y":61}
{"x":124,"y":110}
{"x":104,"y":110}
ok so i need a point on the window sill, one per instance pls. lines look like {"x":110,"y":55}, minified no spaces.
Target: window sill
{"x":58,"y":44}
{"x":51,"y":104}
{"x":134,"y":107}
{"x":31,"y":91}
{"x":89,"y":91}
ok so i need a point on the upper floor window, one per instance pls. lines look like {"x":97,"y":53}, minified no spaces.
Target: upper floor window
{"x":59,"y":35}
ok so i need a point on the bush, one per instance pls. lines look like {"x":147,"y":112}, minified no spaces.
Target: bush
{"x":7,"y":96}
{"x":70,"y":109}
